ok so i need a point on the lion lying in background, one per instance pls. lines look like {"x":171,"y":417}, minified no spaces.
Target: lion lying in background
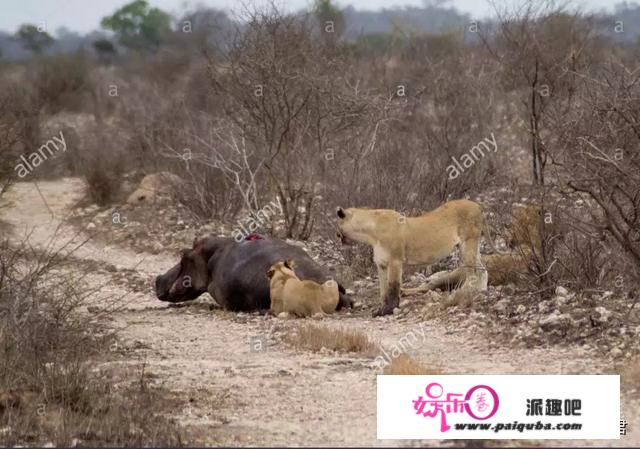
{"x":524,"y":240}
{"x":300,"y":298}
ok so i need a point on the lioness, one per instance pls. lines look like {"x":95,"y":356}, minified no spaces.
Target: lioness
{"x":426,"y":239}
{"x":301,"y":298}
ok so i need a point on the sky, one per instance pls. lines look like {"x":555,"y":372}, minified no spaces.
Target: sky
{"x":84,"y":15}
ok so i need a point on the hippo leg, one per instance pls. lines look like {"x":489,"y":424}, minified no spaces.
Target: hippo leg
{"x":217,"y":296}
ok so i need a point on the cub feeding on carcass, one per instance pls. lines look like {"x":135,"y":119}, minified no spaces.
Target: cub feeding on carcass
{"x":300,"y":298}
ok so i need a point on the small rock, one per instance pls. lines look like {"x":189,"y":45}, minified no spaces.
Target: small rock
{"x":604,"y":315}
{"x":561,"y":291}
{"x":91,"y":225}
{"x":501,"y":306}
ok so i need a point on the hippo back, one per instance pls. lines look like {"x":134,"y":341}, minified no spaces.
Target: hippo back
{"x":239,"y":272}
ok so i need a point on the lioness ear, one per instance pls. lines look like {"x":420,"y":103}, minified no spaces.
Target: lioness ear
{"x":289,"y":263}
{"x":270,"y":273}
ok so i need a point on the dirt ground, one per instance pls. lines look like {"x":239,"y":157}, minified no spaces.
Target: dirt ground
{"x":279,"y":396}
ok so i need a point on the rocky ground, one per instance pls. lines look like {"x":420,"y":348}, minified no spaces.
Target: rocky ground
{"x":230,"y":394}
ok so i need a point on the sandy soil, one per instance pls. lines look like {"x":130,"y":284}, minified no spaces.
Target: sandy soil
{"x":278,"y":396}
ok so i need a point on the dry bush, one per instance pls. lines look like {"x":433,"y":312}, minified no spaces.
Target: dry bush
{"x":600,"y":156}
{"x":19,"y":129}
{"x":102,"y":162}
{"x":444,"y":97}
{"x":540,"y":47}
{"x":296,"y":114}
{"x":587,"y":262}
{"x":403,"y":365}
{"x":62,"y":82}
{"x":314,"y":338}
{"x":50,"y":390}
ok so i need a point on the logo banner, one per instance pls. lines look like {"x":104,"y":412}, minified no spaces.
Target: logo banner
{"x":498,"y":407}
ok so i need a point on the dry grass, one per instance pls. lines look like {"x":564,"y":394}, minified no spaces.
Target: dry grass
{"x":51,"y":391}
{"x":314,"y":338}
{"x":403,"y":364}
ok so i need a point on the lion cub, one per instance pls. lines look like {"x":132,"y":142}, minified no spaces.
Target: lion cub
{"x":301,"y":298}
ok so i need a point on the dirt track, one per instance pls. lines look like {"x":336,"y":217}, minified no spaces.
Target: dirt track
{"x":278,"y":397}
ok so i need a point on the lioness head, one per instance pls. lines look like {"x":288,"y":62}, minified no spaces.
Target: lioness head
{"x":355,"y":224}
{"x":284,"y":268}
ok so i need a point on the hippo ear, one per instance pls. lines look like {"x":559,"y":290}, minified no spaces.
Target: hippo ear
{"x":340,"y":213}
{"x":289,"y":263}
{"x":270,"y":273}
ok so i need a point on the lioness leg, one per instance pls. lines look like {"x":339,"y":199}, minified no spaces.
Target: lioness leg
{"x":475,"y":275}
{"x":392,"y":294}
{"x":382,"y":279}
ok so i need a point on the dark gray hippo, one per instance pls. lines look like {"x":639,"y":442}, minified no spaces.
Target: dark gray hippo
{"x":234,"y":273}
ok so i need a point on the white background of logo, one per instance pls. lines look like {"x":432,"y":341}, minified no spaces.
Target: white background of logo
{"x":600,"y":412}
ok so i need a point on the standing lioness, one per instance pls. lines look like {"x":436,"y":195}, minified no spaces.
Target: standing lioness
{"x":426,"y":239}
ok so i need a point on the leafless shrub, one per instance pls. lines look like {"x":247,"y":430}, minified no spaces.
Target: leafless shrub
{"x":540,"y":46}
{"x":444,"y":96}
{"x":296,"y":110}
{"x":49,"y":388}
{"x":19,"y":129}
{"x":600,"y":157}
{"x":102,"y":163}
{"x":62,"y":82}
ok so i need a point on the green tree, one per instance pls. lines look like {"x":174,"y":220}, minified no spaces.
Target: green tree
{"x":33,"y":39}
{"x":138,"y":26}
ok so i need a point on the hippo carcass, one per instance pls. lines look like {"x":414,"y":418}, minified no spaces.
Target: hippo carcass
{"x":235,"y":273}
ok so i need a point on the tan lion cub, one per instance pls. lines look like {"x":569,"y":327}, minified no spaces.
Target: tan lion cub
{"x":300,"y":298}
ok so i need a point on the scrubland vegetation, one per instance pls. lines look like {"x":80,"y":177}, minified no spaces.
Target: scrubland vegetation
{"x":273,"y":105}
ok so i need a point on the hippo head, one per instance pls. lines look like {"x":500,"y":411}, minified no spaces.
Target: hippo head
{"x":188,"y":279}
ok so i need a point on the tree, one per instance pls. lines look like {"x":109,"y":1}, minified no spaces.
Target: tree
{"x":138,"y":26}
{"x":330,"y":19}
{"x":105,"y":49}
{"x":539,"y":48}
{"x":34,"y":39}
